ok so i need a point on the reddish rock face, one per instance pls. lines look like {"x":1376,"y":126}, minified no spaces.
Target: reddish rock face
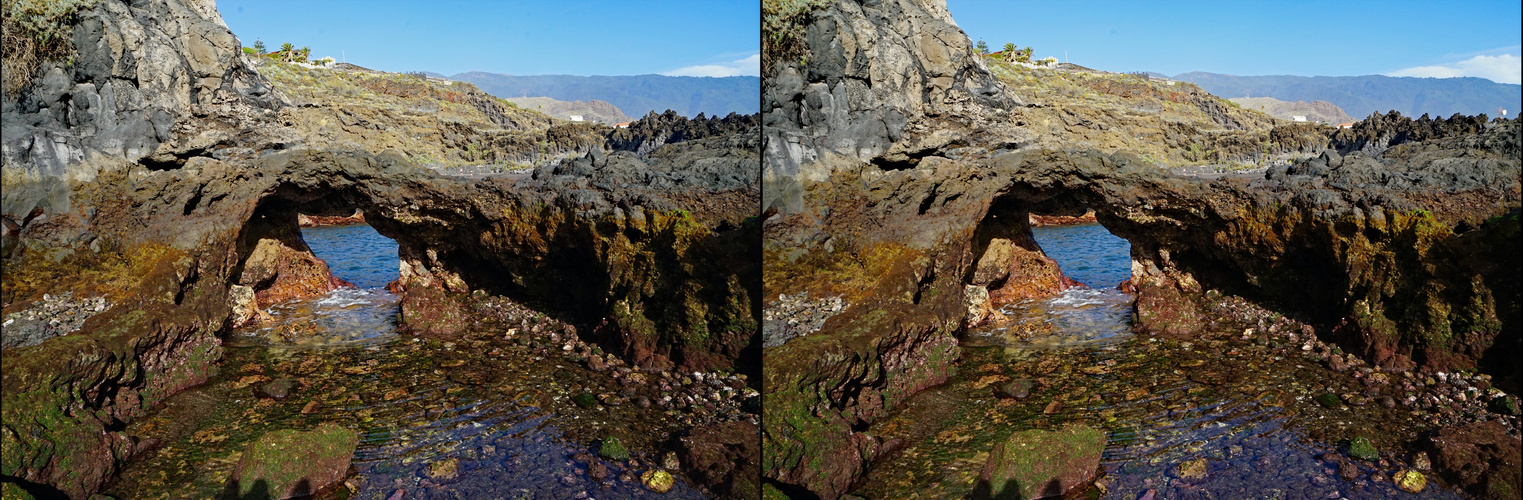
{"x":1481,"y":458}
{"x":428,"y":310}
{"x":725,"y":457}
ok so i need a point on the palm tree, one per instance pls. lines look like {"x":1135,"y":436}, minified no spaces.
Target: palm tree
{"x":286,"y":50}
{"x":1009,"y":51}
{"x":305,"y":52}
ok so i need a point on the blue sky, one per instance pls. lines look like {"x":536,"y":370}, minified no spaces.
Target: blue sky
{"x":1247,"y":38}
{"x":688,"y":38}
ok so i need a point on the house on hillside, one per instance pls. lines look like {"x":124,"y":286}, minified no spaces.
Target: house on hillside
{"x":1298,"y":118}
{"x":622,"y":125}
{"x":1346,"y":125}
{"x":576,"y":118}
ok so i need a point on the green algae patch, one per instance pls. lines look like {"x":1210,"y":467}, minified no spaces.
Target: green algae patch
{"x":1361,"y":448}
{"x":112,"y":270}
{"x":1411,"y":481}
{"x":11,"y":491}
{"x":612,"y":449}
{"x":1038,"y":463}
{"x":291,"y":463}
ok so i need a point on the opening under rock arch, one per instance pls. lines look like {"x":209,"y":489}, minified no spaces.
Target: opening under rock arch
{"x":1047,"y":273}
{"x":1085,"y":250}
{"x":355,"y":253}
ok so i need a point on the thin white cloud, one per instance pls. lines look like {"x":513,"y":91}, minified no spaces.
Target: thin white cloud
{"x":749,"y":66}
{"x":1505,"y":68}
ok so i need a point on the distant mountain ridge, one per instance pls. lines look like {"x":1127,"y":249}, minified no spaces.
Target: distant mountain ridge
{"x":1361,"y":95}
{"x":635,"y":95}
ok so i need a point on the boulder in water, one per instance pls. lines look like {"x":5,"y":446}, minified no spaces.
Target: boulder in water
{"x":1042,"y":464}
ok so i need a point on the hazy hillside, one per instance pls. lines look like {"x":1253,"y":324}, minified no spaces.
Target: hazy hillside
{"x":592,"y":111}
{"x":1362,"y":95}
{"x":635,"y":95}
{"x":1315,"y":111}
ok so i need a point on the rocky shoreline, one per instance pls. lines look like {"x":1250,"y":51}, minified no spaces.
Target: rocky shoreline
{"x":1398,"y":253}
{"x":179,"y":207}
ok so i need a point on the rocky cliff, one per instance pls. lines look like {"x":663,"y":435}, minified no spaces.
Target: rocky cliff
{"x":1400,"y":255}
{"x":157,"y":179}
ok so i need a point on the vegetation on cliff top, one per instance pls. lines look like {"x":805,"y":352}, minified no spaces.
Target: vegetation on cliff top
{"x":432,"y":122}
{"x":1169,"y":123}
{"x":783,"y":23}
{"x":35,"y":31}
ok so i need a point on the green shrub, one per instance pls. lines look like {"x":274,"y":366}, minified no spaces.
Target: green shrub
{"x":35,"y":31}
{"x":783,"y":23}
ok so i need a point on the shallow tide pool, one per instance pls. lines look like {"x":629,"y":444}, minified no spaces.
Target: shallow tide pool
{"x":480,"y":415}
{"x":1221,"y":397}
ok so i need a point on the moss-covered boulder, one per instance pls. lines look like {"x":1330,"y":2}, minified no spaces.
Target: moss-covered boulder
{"x":610,"y":448}
{"x":290,"y":463}
{"x":1042,"y":464}
{"x":1361,"y":448}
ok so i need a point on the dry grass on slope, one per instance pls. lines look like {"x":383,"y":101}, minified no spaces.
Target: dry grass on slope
{"x":1172,"y":125}
{"x":433,"y":122}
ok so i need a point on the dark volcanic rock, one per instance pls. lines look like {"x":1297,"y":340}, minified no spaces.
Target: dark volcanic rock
{"x":648,"y":133}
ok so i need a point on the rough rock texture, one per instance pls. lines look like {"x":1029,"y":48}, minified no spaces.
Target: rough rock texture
{"x":1041,"y":464}
{"x":1377,"y":133}
{"x":650,"y":132}
{"x":183,"y":217}
{"x":725,"y":457}
{"x":1408,"y":258}
{"x":659,"y":268}
{"x":883,"y":81}
{"x":157,"y":82}
{"x":1481,"y":458}
{"x":290,"y":463}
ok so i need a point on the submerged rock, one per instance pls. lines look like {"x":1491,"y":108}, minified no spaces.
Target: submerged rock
{"x":444,"y":470}
{"x":1411,"y":481}
{"x":1015,"y":389}
{"x":657,"y":480}
{"x":1361,"y":448}
{"x":1041,"y":464}
{"x":612,"y":449}
{"x":1190,"y":470}
{"x":291,"y":463}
